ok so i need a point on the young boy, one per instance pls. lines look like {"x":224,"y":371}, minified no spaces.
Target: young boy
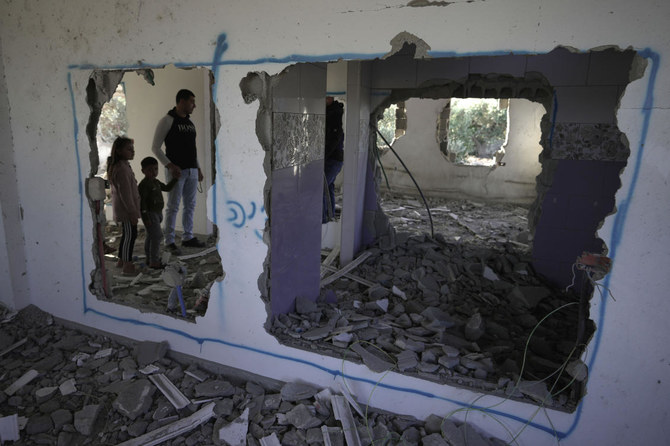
{"x":151,"y":205}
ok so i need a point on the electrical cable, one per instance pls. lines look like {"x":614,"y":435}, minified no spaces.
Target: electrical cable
{"x":430,"y":217}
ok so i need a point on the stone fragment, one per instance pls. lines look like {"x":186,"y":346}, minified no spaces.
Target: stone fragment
{"x":371,"y":360}
{"x":85,"y":419}
{"x":302,"y":418}
{"x":44,"y":394}
{"x":295,"y":391}
{"x":60,"y":418}
{"x":214,"y":388}
{"x":438,"y":319}
{"x":577,"y":369}
{"x":272,"y":402}
{"x":22,"y":381}
{"x":38,"y":424}
{"x":148,"y":352}
{"x":398,"y":292}
{"x":305,"y":306}
{"x":137,"y":428}
{"x":406,"y":360}
{"x":474,"y":328}
{"x":135,"y":399}
{"x":9,"y":428}
{"x":234,"y":433}
{"x":490,"y":275}
{"x":316,"y":333}
{"x":537,"y":390}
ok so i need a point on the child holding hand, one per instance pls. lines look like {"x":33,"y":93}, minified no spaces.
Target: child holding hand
{"x":125,"y":199}
{"x":151,"y":204}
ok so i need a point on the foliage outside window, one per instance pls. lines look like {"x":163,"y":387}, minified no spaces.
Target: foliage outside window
{"x":477,"y":130}
{"x":113,"y":122}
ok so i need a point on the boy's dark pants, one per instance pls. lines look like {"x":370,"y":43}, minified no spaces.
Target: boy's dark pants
{"x":152,"y":244}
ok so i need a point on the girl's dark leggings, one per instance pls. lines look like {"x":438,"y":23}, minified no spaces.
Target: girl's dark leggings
{"x":127,"y":241}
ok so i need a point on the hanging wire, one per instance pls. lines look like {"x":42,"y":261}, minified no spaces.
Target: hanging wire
{"x":376,"y":150}
{"x":430,"y":217}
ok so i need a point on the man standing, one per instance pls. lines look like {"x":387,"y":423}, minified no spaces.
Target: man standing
{"x":181,"y":159}
{"x":334,"y":155}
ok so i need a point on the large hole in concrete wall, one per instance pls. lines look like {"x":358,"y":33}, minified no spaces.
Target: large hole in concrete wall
{"x":507,"y":317}
{"x":131,"y":103}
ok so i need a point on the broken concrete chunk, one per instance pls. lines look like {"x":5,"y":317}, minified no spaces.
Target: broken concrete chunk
{"x":38,"y":424}
{"x":68,"y":387}
{"x":406,"y":360}
{"x":44,"y":394}
{"x":214,"y":388}
{"x":578,"y":370}
{"x":371,"y":360}
{"x":305,"y":306}
{"x":22,"y":381}
{"x":490,"y":275}
{"x":147,"y":352}
{"x":234,"y":433}
{"x":270,"y":440}
{"x":135,"y":399}
{"x":316,"y":333}
{"x":302,"y":418}
{"x":175,"y":429}
{"x":84,"y":420}
{"x":9,"y":428}
{"x":474,"y":328}
{"x":537,"y":390}
{"x":295,"y":391}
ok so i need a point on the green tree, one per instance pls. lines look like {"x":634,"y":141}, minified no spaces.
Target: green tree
{"x":113,"y":121}
{"x":476,"y":128}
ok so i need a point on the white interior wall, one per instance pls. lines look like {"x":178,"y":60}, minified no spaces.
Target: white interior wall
{"x":146,"y":104}
{"x":437,"y":176}
{"x":50,"y":50}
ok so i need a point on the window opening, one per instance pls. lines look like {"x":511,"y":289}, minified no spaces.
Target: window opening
{"x":460,"y":308}
{"x":474,"y":130}
{"x":113,"y":122}
{"x":132,"y":108}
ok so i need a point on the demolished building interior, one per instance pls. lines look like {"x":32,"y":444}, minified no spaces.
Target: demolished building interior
{"x":470,"y":285}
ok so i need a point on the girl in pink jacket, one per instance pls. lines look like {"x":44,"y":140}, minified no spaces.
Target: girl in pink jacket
{"x":125,"y":199}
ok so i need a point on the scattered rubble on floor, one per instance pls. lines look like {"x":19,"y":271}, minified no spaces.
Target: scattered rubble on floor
{"x":112,"y":399}
{"x":464,"y":308}
{"x":148,"y":290}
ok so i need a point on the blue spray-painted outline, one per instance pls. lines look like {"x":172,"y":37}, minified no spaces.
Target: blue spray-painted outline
{"x":622,"y":213}
{"x":617,"y":230}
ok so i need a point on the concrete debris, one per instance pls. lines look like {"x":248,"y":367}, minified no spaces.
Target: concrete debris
{"x":9,"y":428}
{"x":232,"y":434}
{"x":135,"y":399}
{"x":148,"y":352}
{"x":241,"y":412}
{"x":85,"y":419}
{"x":170,"y":391}
{"x":22,"y":381}
{"x":295,"y":391}
{"x":453,"y":299}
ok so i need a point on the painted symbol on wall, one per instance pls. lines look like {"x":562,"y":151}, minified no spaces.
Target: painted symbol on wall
{"x":239,"y":215}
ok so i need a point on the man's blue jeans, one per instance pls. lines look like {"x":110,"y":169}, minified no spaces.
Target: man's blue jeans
{"x":186,"y":188}
{"x":331,"y":169}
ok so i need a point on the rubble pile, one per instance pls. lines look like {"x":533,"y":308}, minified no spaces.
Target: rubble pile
{"x":467,"y":314}
{"x":67,"y":388}
{"x":147,"y":291}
